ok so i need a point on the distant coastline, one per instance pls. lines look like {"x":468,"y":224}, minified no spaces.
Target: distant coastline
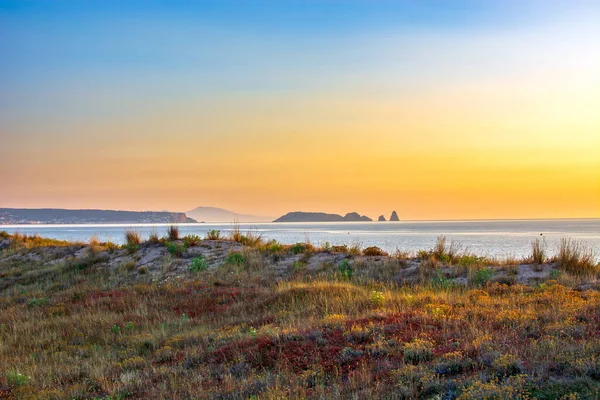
{"x":44,"y":216}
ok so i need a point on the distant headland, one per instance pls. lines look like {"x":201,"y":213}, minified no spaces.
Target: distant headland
{"x":64,"y":216}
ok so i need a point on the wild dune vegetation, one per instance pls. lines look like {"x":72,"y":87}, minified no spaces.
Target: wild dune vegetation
{"x":239,"y":317}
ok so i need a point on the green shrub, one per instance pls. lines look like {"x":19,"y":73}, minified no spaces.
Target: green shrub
{"x":16,"y":379}
{"x":177,"y":249}
{"x":274,"y":247}
{"x":39,"y":302}
{"x":377,"y":299}
{"x":192,"y":240}
{"x":235,"y":259}
{"x":199,"y":264}
{"x":213,"y":235}
{"x":298,"y":266}
{"x":298,"y":248}
{"x":345,"y":270}
{"x":482,"y":276}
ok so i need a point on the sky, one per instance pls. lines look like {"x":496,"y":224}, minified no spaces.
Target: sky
{"x":436,"y":109}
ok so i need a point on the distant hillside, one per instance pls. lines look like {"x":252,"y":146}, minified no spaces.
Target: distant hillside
{"x":300,"y":216}
{"x":63,"y":216}
{"x":215,"y":214}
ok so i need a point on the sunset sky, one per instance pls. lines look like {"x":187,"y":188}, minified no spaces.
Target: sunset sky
{"x":436,"y":109}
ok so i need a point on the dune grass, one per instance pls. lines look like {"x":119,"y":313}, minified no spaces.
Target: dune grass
{"x":344,"y":330}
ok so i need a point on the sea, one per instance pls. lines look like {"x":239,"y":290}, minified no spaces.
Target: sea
{"x":491,"y":238}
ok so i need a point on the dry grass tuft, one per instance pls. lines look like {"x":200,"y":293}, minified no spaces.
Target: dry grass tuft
{"x":538,"y":251}
{"x":132,"y":238}
{"x":575,"y":258}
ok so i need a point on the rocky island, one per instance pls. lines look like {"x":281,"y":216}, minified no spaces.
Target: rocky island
{"x":301,"y":216}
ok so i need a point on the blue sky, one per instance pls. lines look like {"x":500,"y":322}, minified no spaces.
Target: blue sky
{"x":130,"y":83}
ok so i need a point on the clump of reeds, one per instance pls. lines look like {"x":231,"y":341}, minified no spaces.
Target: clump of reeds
{"x":575,"y":258}
{"x":538,"y":251}
{"x":173,"y":232}
{"x":236,"y":233}
{"x":444,"y":252}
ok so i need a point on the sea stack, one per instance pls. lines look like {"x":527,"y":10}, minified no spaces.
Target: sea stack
{"x":381,"y":218}
{"x":394,"y":216}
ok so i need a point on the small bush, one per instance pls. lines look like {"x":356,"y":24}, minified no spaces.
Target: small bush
{"x":374,"y":251}
{"x":418,"y":351}
{"x":298,"y":266}
{"x":39,"y":302}
{"x":199,"y":264}
{"x":575,"y":258}
{"x":275,"y":247}
{"x":213,"y":235}
{"x":177,"y":249}
{"x":482,"y":276}
{"x":538,"y":251}
{"x":192,"y":240}
{"x":16,"y":379}
{"x":506,"y":365}
{"x":235,"y":259}
{"x":345,"y":270}
{"x":173,"y":233}
{"x":377,"y":299}
{"x":339,"y":249}
{"x":298,"y":248}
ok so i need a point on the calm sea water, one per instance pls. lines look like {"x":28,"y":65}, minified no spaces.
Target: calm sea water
{"x":499,"y":238}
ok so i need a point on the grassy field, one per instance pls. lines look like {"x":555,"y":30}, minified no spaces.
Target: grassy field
{"x":242,"y":318}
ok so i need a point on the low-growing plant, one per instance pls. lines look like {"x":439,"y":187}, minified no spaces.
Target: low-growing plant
{"x":275,"y":247}
{"x":38,"y":302}
{"x":298,"y":248}
{"x":177,"y":249}
{"x":192,"y":240}
{"x":235,"y":259}
{"x":374,"y":251}
{"x":16,"y":379}
{"x":377,"y":298}
{"x":298,"y":266}
{"x":482,"y":276}
{"x":213,"y":235}
{"x":199,"y":264}
{"x":417,"y":351}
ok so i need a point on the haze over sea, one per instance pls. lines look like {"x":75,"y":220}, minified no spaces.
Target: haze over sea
{"x":493,"y":238}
